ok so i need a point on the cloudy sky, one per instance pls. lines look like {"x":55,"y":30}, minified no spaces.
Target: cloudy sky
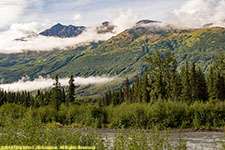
{"x":85,"y":12}
{"x":21,"y":18}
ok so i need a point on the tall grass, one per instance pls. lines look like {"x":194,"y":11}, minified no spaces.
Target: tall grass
{"x":35,"y":134}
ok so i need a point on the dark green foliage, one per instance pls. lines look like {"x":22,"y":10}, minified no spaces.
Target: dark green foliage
{"x":126,"y":91}
{"x":144,"y":88}
{"x":57,"y":94}
{"x":220,"y":77}
{"x":161,"y":114}
{"x":202,"y":86}
{"x":194,"y":83}
{"x":211,"y":83}
{"x":164,"y":82}
{"x":161,"y":73}
{"x":137,"y":90}
{"x":186,"y":86}
{"x":175,"y":86}
{"x":71,"y":91}
{"x":180,"y":100}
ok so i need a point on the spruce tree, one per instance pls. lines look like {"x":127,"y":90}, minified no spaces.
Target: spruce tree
{"x":211,"y":83}
{"x":202,"y":86}
{"x":186,"y":88}
{"x":194,"y":83}
{"x":161,"y":69}
{"x":121,"y":97}
{"x":220,"y":77}
{"x":175,"y":86}
{"x":145,"y":92}
{"x":220,"y":86}
{"x":136,"y":89}
{"x":169,"y":65}
{"x":56,"y":94}
{"x":126,"y":91}
{"x":71,"y":91}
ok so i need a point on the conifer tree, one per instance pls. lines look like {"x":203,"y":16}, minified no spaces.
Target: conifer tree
{"x":175,"y":86}
{"x":1,"y":97}
{"x":145,"y":93}
{"x":211,"y":83}
{"x":220,"y":77}
{"x":202,"y":86}
{"x":136,"y":89}
{"x":194,"y":83}
{"x":186,"y":88}
{"x":220,"y":87}
{"x":126,"y":91}
{"x":169,"y":65}
{"x":56,"y":94}
{"x":121,"y":97}
{"x":71,"y":91}
{"x":161,"y":69}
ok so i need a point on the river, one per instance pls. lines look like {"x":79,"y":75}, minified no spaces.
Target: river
{"x":194,"y":140}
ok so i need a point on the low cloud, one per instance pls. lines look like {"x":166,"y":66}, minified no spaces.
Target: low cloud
{"x":43,"y":83}
{"x":156,"y":26}
{"x":44,"y":43}
{"x":196,"y":13}
{"x":30,"y":40}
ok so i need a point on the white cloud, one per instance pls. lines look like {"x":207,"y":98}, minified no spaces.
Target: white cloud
{"x":44,"y":43}
{"x":11,"y":11}
{"x":196,"y":13}
{"x":77,"y":18}
{"x":123,"y":20}
{"x":43,"y":83}
{"x":17,"y":31}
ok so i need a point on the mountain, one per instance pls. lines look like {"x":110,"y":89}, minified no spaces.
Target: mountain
{"x":121,"y":55}
{"x":105,"y":27}
{"x":62,"y":31}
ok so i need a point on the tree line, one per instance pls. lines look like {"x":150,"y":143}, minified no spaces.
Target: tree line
{"x":164,"y":81}
{"x":54,"y":97}
{"x":163,"y":97}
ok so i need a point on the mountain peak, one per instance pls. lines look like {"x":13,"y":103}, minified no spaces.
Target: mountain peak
{"x":146,"y":21}
{"x":63,"y":31}
{"x":58,"y":24}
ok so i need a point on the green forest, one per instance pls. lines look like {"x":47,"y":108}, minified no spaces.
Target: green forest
{"x":162,"y":97}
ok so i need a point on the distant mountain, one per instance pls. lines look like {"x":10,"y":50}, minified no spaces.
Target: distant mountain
{"x":63,"y":31}
{"x":208,"y":25}
{"x":105,"y":27}
{"x":146,"y":21}
{"x":222,"y":22}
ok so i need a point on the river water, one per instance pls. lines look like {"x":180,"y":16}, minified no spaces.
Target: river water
{"x":194,"y":140}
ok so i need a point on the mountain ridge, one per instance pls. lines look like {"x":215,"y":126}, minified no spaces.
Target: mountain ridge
{"x":121,"y":55}
{"x":63,"y":31}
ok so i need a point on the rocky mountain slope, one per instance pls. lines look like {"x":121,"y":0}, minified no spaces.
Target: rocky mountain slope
{"x":63,"y":31}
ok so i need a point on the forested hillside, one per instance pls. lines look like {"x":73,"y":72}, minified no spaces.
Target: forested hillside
{"x":121,"y":55}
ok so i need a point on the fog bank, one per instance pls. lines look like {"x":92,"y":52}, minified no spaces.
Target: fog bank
{"x":43,"y":83}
